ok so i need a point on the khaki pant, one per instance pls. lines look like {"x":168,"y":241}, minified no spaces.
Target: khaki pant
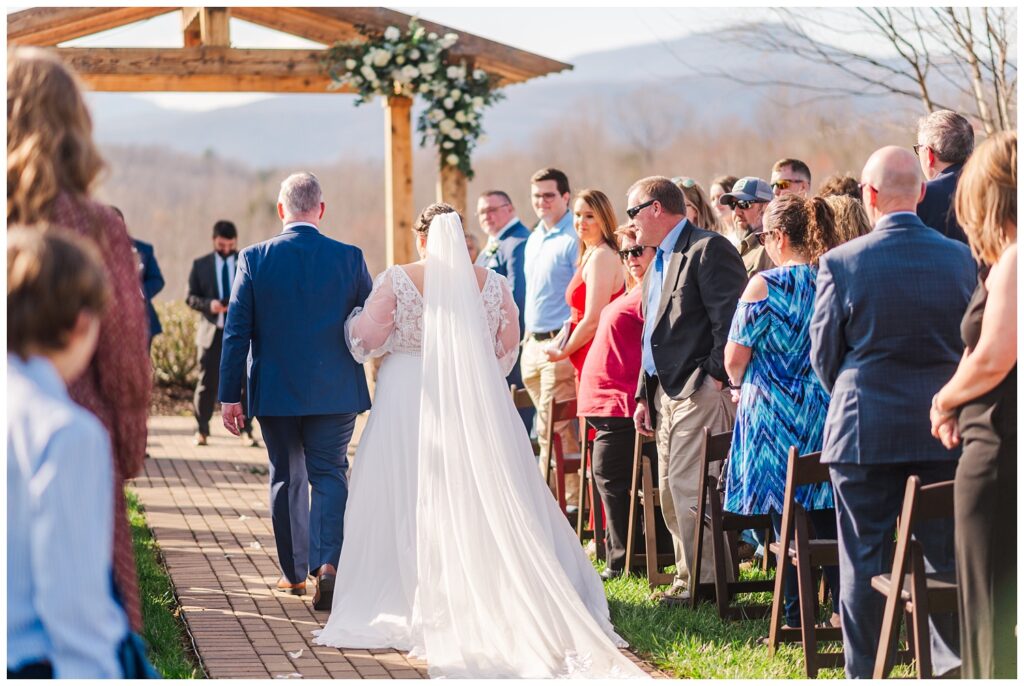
{"x":680,"y":425}
{"x":543,"y":380}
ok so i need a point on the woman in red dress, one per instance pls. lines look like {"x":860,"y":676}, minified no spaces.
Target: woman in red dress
{"x":52,"y":164}
{"x":599,"y":277}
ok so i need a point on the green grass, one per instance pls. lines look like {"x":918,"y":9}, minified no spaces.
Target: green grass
{"x":697,"y":644}
{"x":163,"y":630}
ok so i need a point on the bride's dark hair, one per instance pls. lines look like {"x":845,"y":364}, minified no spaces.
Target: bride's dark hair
{"x":422,"y":225}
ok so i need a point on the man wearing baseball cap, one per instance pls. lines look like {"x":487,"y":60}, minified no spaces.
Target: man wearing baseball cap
{"x":748,"y":199}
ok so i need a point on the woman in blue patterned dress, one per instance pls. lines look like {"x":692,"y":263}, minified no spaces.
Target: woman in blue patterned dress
{"x":781,"y":401}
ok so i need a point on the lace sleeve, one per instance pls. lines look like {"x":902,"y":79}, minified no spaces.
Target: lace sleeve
{"x":369,"y":330}
{"x":506,"y":339}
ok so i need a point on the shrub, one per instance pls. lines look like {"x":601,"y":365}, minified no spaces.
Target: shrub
{"x":174,"y":351}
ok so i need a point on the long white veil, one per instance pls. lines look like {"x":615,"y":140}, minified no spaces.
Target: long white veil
{"x":504,"y":588}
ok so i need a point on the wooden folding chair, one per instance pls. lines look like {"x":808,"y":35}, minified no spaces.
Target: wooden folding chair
{"x":589,"y":509}
{"x":724,"y":528}
{"x":807,"y":554}
{"x":559,"y":411}
{"x":522,"y":400}
{"x":909,"y":588}
{"x":644,"y":491}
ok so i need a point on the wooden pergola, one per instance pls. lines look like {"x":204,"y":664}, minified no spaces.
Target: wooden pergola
{"x":208,"y":63}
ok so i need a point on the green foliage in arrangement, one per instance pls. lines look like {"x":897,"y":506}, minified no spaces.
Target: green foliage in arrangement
{"x":697,"y":644}
{"x":163,"y":629}
{"x":174,"y":351}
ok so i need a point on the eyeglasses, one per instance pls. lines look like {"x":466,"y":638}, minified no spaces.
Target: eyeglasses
{"x":783,"y":184}
{"x":918,"y":148}
{"x":491,"y":210}
{"x":635,"y":251}
{"x":864,"y":184}
{"x":684,"y":181}
{"x":762,"y":236}
{"x":633,"y":211}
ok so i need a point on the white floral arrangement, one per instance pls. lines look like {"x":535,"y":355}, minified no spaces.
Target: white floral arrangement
{"x":417,"y":63}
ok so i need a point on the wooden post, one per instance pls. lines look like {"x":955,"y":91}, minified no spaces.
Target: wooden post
{"x":451,"y":188}
{"x":399,"y":209}
{"x":213,"y":26}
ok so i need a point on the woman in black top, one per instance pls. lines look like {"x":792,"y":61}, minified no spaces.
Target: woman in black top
{"x":979,"y":408}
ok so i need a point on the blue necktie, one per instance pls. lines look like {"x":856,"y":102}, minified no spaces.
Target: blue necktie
{"x":225,"y":281}
{"x":653,"y":301}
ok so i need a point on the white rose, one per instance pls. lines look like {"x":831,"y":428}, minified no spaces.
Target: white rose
{"x":381,"y":58}
{"x":414,"y":54}
{"x":368,"y":73}
{"x":435,"y":115}
{"x":447,"y":145}
{"x":446,"y":127}
{"x":440,"y":91}
{"x":478,"y":102}
{"x":452,"y":160}
{"x":452,"y":72}
{"x":428,"y":68}
{"x":424,"y":87}
{"x":431,"y":36}
{"x":392,"y":33}
{"x":399,"y":60}
{"x":351,"y":64}
{"x":460,"y":117}
{"x":410,"y":72}
{"x":456,"y":94}
{"x":455,"y":134}
{"x":448,"y":103}
{"x":479,"y":74}
{"x":449,"y":40}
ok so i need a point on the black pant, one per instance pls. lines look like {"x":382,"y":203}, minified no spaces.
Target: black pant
{"x":613,"y":475}
{"x":209,"y":381}
{"x":33,"y":670}
{"x":824,"y":523}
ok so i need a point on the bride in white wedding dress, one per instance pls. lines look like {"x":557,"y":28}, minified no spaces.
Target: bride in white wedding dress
{"x":454,"y":549}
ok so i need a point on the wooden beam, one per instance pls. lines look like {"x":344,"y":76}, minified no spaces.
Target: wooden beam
{"x":46,"y":26}
{"x":399,"y":209}
{"x":213,"y":27}
{"x":199,"y":69}
{"x":451,"y":188}
{"x":190,"y":26}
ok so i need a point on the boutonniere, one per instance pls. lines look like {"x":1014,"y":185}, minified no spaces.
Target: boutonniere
{"x":491,"y":248}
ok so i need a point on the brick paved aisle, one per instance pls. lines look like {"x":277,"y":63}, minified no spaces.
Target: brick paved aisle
{"x":208,"y":510}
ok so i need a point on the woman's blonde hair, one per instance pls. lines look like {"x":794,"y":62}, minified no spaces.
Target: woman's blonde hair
{"x":49,"y":135}
{"x":707,"y":215}
{"x":602,"y":206}
{"x":851,"y":220}
{"x":986,"y":196}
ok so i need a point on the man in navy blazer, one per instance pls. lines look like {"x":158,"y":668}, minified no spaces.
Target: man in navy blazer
{"x":505,"y":253}
{"x":944,"y":142}
{"x":152,"y":283}
{"x":884,"y":336}
{"x":289,"y":302}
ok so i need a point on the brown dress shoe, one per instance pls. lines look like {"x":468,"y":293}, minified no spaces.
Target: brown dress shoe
{"x":287,"y":587}
{"x":324,"y":596}
{"x":200,"y":439}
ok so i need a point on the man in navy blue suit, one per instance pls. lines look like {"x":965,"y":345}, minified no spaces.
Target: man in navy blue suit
{"x":884,"y":336}
{"x":505,"y":253}
{"x":944,"y":142}
{"x":149,"y":274}
{"x":289,"y":301}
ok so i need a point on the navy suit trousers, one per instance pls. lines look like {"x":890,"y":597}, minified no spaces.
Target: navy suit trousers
{"x":868,"y":499}
{"x":308,"y":451}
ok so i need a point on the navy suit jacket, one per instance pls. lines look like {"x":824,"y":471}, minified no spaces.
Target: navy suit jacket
{"x":510,"y":261}
{"x":936,"y":208}
{"x":289,"y":302}
{"x":152,"y":282}
{"x":885,"y":337}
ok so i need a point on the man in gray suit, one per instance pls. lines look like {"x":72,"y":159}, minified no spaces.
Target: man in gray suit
{"x":884,"y":337}
{"x":689,"y":298}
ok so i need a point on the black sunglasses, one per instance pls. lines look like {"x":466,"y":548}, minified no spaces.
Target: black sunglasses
{"x":633,"y":211}
{"x":741,"y":204}
{"x":635,"y":251}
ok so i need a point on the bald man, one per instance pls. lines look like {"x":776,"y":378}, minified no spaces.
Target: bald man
{"x":884,"y":336}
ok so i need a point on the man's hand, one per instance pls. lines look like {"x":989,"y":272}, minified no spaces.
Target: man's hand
{"x":642,"y":419}
{"x":234,"y":418}
{"x":217,"y":307}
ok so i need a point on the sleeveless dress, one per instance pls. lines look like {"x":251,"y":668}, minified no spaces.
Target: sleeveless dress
{"x":542,"y":600}
{"x":782,"y":401}
{"x":576,"y":297}
{"x":985,"y":495}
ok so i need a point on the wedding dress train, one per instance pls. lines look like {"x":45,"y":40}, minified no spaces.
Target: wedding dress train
{"x":454,"y":548}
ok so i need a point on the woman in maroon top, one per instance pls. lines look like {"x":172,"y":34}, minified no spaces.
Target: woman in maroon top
{"x":598,"y":279}
{"x":51,"y":166}
{"x":606,"y":397}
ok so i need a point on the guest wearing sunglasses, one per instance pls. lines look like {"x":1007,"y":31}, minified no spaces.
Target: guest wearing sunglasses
{"x":606,"y":399}
{"x":748,"y":199}
{"x":791,"y":176}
